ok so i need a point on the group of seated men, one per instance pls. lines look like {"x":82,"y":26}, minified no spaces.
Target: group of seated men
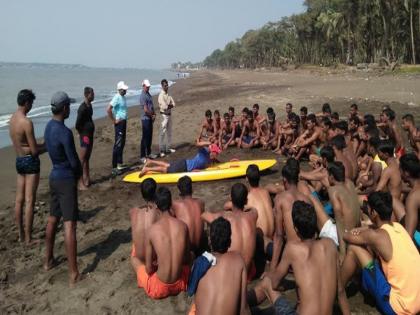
{"x":315,"y":224}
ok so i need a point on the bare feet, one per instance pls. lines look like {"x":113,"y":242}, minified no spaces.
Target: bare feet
{"x":50,"y":264}
{"x":74,"y":279}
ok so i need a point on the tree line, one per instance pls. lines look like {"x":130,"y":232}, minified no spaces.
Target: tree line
{"x":330,"y":32}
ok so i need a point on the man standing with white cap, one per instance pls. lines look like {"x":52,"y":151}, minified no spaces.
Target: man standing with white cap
{"x":166,"y":103}
{"x":117,"y":112}
{"x":147,"y":118}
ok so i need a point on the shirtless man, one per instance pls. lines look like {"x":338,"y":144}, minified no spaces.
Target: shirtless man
{"x":142,"y":218}
{"x":259,"y":199}
{"x":229,"y":272}
{"x":255,"y":112}
{"x":413,"y":134}
{"x":303,"y":116}
{"x":410,"y":171}
{"x":391,"y":176}
{"x":227,"y":133}
{"x":289,"y":109}
{"x":270,"y":130}
{"x":393,"y":132}
{"x":21,"y":132}
{"x":327,"y":130}
{"x":251,"y":132}
{"x":284,"y":201}
{"x":167,"y":241}
{"x":342,"y":128}
{"x":206,"y":135}
{"x":338,"y":143}
{"x":310,"y":140}
{"x":189,"y":210}
{"x":314,"y":264}
{"x":345,"y":202}
{"x":217,"y":124}
{"x":243,"y":224}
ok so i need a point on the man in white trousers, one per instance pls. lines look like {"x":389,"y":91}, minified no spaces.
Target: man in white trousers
{"x":166,"y":103}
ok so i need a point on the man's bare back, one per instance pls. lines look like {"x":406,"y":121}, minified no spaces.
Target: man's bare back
{"x":259,"y":198}
{"x":283,"y":212}
{"x":189,"y":210}
{"x":141,"y":219}
{"x":21,"y":132}
{"x":212,"y":295}
{"x":314,"y":264}
{"x":168,"y":238}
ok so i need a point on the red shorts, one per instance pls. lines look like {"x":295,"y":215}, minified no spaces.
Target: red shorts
{"x":400,"y":152}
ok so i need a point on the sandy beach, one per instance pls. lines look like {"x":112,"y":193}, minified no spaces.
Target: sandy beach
{"x":104,"y":235}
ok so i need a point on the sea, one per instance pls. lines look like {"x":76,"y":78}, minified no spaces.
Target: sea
{"x":45,"y":79}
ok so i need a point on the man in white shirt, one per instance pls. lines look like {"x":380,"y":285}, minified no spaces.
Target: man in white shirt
{"x":166,"y":103}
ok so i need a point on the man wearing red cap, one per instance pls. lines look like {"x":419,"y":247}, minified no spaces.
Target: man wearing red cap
{"x":202,"y":160}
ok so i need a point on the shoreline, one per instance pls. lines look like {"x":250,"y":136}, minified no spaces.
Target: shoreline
{"x":103,"y":232}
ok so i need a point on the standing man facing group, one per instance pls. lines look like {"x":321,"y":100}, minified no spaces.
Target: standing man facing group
{"x":166,"y":103}
{"x":147,"y":118}
{"x":117,"y":112}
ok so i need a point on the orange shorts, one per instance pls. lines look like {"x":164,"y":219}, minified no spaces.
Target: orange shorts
{"x":156,"y":289}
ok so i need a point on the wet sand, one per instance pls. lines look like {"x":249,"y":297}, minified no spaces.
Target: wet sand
{"x":104,"y":229}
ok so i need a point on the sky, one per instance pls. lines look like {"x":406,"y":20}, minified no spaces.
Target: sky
{"x":130,"y":33}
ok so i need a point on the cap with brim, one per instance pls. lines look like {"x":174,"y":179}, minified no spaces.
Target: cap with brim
{"x":60,"y":99}
{"x":146,"y":83}
{"x":122,"y":86}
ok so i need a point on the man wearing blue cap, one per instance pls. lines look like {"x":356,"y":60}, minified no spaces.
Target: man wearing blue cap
{"x":63,"y":184}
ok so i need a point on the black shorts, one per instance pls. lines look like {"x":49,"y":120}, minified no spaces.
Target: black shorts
{"x":86,"y":141}
{"x":63,"y":199}
{"x":179,"y":166}
{"x":27,"y":165}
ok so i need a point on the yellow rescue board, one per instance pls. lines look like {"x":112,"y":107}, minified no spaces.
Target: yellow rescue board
{"x":219,"y":171}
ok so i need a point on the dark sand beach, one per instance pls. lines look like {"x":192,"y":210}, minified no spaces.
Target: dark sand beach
{"x":104,"y":236}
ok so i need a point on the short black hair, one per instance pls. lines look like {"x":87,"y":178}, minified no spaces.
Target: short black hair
{"x":389,"y":113}
{"x":369,"y":120}
{"x":381,"y":202}
{"x":327,"y":153}
{"x":326,"y":121}
{"x":410,"y":163}
{"x":289,"y":104}
{"x":335,"y":115}
{"x":293,"y":117}
{"x":326,"y":108}
{"x":245,"y":110}
{"x":386,"y":146}
{"x":311,"y":118}
{"x":408,"y":117}
{"x":270,"y":111}
{"x":304,"y":219}
{"x":185,"y":186}
{"x":374,"y":141}
{"x":25,"y":96}
{"x":355,"y":120}
{"x":304,"y":110}
{"x":256,"y":106}
{"x":339,"y":142}
{"x":342,"y":125}
{"x":216,"y":112}
{"x":164,"y":81}
{"x":354,"y":106}
{"x":253,"y":175}
{"x":148,"y":189}
{"x":163,"y":199}
{"x":239,"y":195}
{"x":226,"y":115}
{"x":220,"y":235}
{"x":336,"y":169}
{"x":290,"y":174}
{"x":293,"y":163}
{"x":231,"y":108}
{"x":208,"y":113}
{"x":87,"y":91}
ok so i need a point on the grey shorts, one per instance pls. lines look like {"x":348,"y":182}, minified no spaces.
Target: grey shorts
{"x":63,"y":199}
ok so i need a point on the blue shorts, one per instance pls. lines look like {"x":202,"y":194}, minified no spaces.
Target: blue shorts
{"x":374,"y":282}
{"x":327,"y":207}
{"x":283,"y":307}
{"x":247,"y":139}
{"x":27,"y":165}
{"x":416,"y":238}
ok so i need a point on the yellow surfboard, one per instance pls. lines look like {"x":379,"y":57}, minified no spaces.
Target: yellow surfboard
{"x":219,"y":171}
